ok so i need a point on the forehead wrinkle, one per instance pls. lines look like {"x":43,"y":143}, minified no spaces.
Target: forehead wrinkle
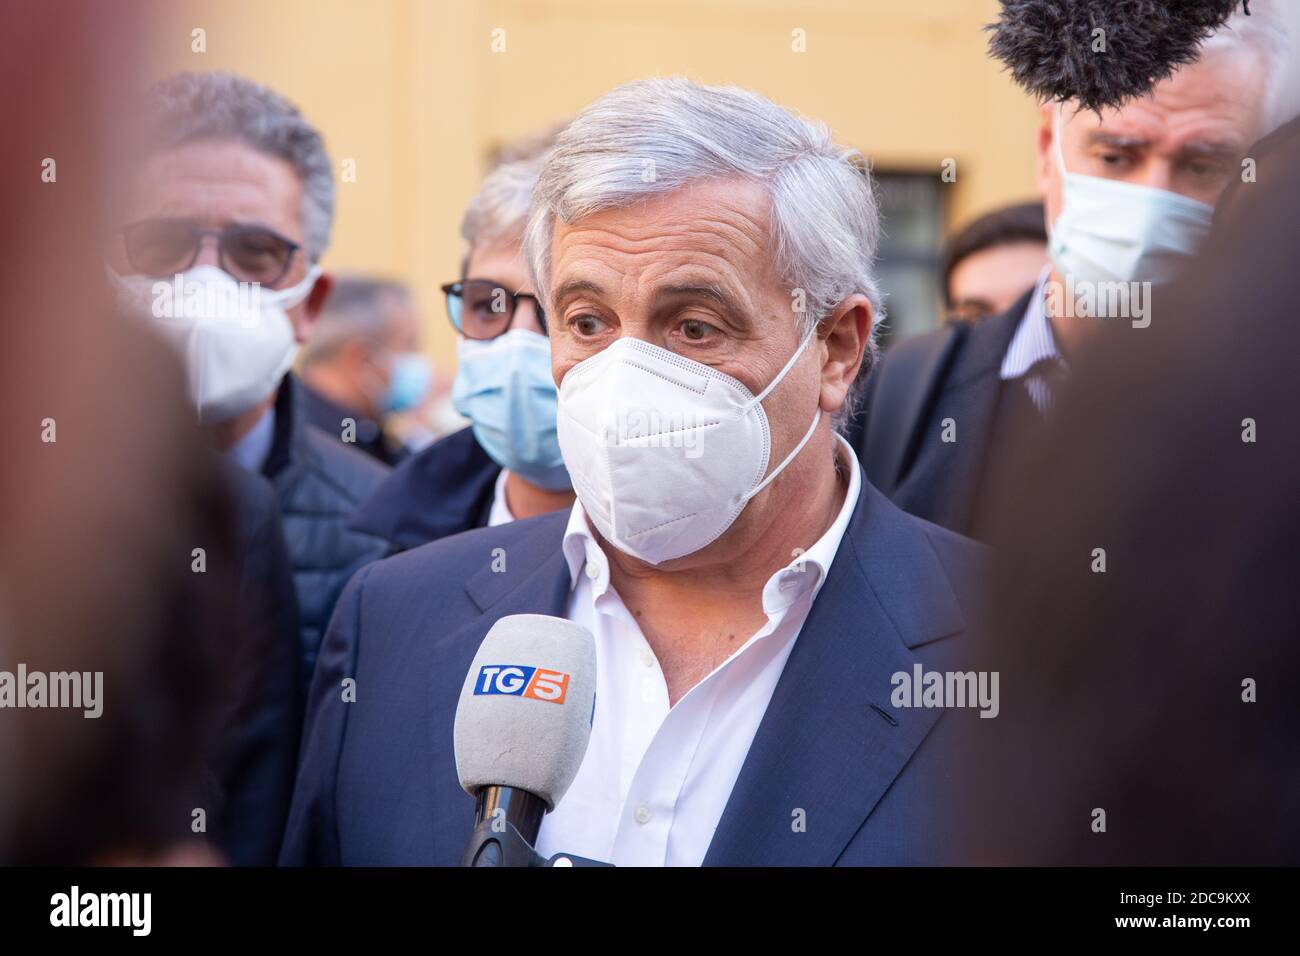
{"x":654,"y":267}
{"x":668,"y":235}
{"x":245,"y":186}
{"x":700,"y":247}
{"x":631,"y":237}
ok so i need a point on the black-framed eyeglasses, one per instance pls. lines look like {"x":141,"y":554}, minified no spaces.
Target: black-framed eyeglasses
{"x":250,"y":253}
{"x":483,"y":309}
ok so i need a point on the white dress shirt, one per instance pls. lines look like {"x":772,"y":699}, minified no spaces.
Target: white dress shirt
{"x":656,"y":779}
{"x":499,"y":513}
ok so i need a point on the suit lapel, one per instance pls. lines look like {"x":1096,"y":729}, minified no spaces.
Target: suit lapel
{"x":823,"y":748}
{"x":970,"y":398}
{"x":535,"y":581}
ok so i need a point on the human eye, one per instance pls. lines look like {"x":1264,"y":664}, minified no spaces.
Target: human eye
{"x":697,"y":331}
{"x":586,"y":324}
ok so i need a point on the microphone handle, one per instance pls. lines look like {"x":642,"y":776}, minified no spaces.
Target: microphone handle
{"x":506,"y":824}
{"x":519,"y":808}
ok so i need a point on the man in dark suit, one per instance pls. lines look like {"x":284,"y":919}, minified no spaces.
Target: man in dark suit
{"x":1129,"y":195}
{"x":231,"y":206}
{"x":506,"y":464}
{"x":757,"y":608}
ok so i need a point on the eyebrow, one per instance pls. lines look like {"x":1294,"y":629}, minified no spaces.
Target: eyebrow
{"x":702,"y":290}
{"x":1220,"y":149}
{"x":574,"y":286}
{"x":1102,"y":138}
{"x":1210,"y":149}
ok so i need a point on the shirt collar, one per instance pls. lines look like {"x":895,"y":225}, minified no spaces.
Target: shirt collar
{"x":252,"y":450}
{"x":806,"y":571}
{"x":1033,"y":341}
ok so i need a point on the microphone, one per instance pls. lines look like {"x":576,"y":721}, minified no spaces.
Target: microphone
{"x":1050,"y":46}
{"x":521,"y":732}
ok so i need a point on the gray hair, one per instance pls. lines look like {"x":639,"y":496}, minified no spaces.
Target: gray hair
{"x":654,"y":136}
{"x":498,"y":212}
{"x":358,"y":307}
{"x":197,"y":106}
{"x":1263,"y":35}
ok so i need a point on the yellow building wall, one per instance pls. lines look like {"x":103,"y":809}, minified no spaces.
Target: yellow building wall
{"x":418,"y":92}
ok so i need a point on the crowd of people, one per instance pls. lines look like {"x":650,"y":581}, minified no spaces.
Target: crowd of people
{"x":672,"y":425}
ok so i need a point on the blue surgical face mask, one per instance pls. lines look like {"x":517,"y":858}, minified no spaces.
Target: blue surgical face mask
{"x":410,"y":376}
{"x":504,"y":387}
{"x":1111,"y":231}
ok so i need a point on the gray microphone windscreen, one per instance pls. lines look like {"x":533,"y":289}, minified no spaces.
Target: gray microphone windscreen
{"x":524,"y":716}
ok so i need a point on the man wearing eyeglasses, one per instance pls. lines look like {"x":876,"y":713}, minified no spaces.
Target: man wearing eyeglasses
{"x":507,"y":464}
{"x":221,"y":244}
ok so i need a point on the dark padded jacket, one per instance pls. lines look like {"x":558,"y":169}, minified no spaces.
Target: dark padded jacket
{"x":319,"y":483}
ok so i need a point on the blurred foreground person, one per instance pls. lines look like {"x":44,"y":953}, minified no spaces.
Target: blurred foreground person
{"x":1130,"y":195}
{"x":362,"y":363}
{"x":993,"y":261}
{"x":100,"y":589}
{"x":1150,"y":709}
{"x":229,"y":213}
{"x":107,"y":490}
{"x":507,"y":464}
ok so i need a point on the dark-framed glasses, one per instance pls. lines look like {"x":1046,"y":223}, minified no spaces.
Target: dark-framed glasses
{"x":483,"y":309}
{"x":250,"y":253}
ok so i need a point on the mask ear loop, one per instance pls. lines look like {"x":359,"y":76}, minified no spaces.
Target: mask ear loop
{"x":1057,"y":126}
{"x":781,"y":374}
{"x":788,"y":458}
{"x":290,"y":297}
{"x":811,"y":428}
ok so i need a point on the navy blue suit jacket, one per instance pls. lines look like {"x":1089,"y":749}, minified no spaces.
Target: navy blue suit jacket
{"x":441,"y":490}
{"x":943,"y":482}
{"x":835,"y":774}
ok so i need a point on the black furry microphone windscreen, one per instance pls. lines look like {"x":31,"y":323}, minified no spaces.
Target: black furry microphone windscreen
{"x":1102,"y":52}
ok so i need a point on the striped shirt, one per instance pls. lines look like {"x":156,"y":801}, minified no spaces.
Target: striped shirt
{"x":1032,"y":354}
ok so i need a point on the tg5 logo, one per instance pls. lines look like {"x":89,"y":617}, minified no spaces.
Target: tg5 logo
{"x":520,"y":680}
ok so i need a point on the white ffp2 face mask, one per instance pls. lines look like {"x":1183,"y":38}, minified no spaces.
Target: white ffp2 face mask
{"x":235,"y":339}
{"x":1111,"y":231}
{"x":664,"y":452}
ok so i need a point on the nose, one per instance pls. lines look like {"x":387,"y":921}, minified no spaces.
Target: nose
{"x":208,"y":254}
{"x":1159,"y":174}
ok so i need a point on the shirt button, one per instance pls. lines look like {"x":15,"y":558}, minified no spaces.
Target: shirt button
{"x":593,"y":572}
{"x":642,"y":814}
{"x":647,"y":659}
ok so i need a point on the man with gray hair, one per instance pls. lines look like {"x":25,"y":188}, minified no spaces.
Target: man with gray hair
{"x":222,"y":236}
{"x":705,"y":261}
{"x":362,"y":363}
{"x":507,"y":464}
{"x":1130,"y":194}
